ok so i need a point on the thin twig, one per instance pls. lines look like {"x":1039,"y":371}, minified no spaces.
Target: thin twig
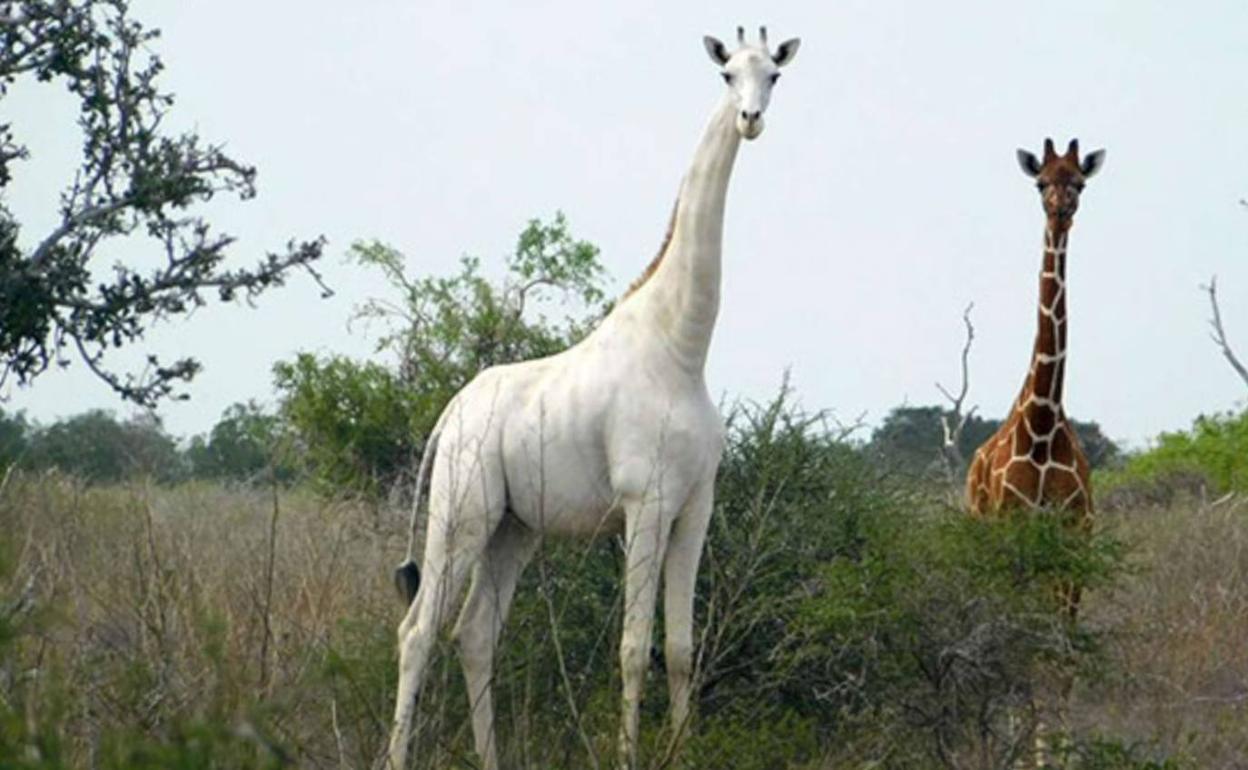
{"x":333,"y":717}
{"x":268,"y":586}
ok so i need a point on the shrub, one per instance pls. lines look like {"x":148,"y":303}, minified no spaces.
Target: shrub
{"x":351,"y":423}
{"x":945,"y":629}
{"x":1212,"y":456}
{"x":246,"y":444}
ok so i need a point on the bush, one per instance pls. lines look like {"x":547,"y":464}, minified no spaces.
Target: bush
{"x":351,"y":423}
{"x":1212,"y":456}
{"x":246,"y":444}
{"x":945,"y":629}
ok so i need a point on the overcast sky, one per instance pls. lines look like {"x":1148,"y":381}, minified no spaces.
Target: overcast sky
{"x":881,"y":199}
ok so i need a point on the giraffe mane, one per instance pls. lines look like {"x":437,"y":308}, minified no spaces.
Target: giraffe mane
{"x":658,"y":258}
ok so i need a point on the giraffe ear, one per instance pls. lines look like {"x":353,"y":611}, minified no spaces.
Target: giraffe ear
{"x":1028,"y":163}
{"x":715,"y":48}
{"x":786,"y":51}
{"x":1092,"y":163}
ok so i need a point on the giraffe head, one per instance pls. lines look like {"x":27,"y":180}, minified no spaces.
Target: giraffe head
{"x":1060,"y":178}
{"x":751,"y":73}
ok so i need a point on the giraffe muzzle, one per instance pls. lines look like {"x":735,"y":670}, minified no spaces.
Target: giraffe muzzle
{"x":750,"y":123}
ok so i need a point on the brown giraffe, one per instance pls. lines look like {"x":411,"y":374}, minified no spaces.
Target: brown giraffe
{"x":1034,"y":460}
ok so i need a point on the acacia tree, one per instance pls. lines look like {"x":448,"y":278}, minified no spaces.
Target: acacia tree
{"x":136,"y":182}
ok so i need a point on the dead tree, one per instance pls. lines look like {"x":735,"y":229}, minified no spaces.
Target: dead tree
{"x":1218,"y":333}
{"x":954,"y":420}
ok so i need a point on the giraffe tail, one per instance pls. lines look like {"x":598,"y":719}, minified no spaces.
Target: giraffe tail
{"x":407,"y":574}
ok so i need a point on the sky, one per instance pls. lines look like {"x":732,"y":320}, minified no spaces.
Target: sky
{"x":882,"y":198}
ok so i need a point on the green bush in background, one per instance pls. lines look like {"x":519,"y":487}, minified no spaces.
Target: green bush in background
{"x":1211,"y":457}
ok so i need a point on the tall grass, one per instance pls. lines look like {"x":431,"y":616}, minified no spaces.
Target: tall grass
{"x":179,"y":627}
{"x":1180,"y":674}
{"x":843,"y":622}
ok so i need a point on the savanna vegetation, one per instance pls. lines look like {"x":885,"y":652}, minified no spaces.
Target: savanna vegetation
{"x":224,"y":601}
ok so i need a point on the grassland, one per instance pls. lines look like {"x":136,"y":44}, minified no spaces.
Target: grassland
{"x":206,"y":626}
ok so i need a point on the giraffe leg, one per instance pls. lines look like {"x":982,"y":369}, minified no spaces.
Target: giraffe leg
{"x":646,"y":533}
{"x":462,"y":519}
{"x":680,"y":572}
{"x":425,"y":618}
{"x":481,"y":621}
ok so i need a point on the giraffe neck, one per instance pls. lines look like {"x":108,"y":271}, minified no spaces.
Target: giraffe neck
{"x":683,"y":293}
{"x":1043,"y":389}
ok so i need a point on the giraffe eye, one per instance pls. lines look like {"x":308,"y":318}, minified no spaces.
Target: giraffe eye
{"x":727,"y":76}
{"x":774,"y":77}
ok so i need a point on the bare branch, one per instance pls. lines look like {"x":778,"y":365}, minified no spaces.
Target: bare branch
{"x":73,"y":222}
{"x":1218,"y":335}
{"x":954,"y":420}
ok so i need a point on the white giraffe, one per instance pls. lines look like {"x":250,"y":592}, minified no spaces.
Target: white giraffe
{"x":616,"y":433}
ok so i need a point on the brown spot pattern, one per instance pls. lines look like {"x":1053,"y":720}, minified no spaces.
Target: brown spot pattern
{"x":1034,"y":461}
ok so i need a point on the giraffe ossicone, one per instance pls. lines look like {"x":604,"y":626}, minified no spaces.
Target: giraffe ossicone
{"x":616,"y":434}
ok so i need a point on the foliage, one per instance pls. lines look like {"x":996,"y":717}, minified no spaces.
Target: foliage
{"x":449,"y":329}
{"x":14,"y":438}
{"x":97,"y":448}
{"x":909,"y":440}
{"x":831,"y":592}
{"x":945,"y":630}
{"x":361,"y":423}
{"x":1212,"y":455}
{"x":790,"y":497}
{"x":352,"y":422}
{"x":135,"y":179}
{"x":245,"y":444}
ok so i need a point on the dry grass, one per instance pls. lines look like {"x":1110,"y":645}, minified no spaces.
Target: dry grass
{"x":1179,"y":663}
{"x":163,"y":606}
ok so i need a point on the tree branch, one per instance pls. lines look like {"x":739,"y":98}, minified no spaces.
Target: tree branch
{"x":1218,"y":335}
{"x":133,"y":179}
{"x":72,"y":222}
{"x":953,"y":421}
